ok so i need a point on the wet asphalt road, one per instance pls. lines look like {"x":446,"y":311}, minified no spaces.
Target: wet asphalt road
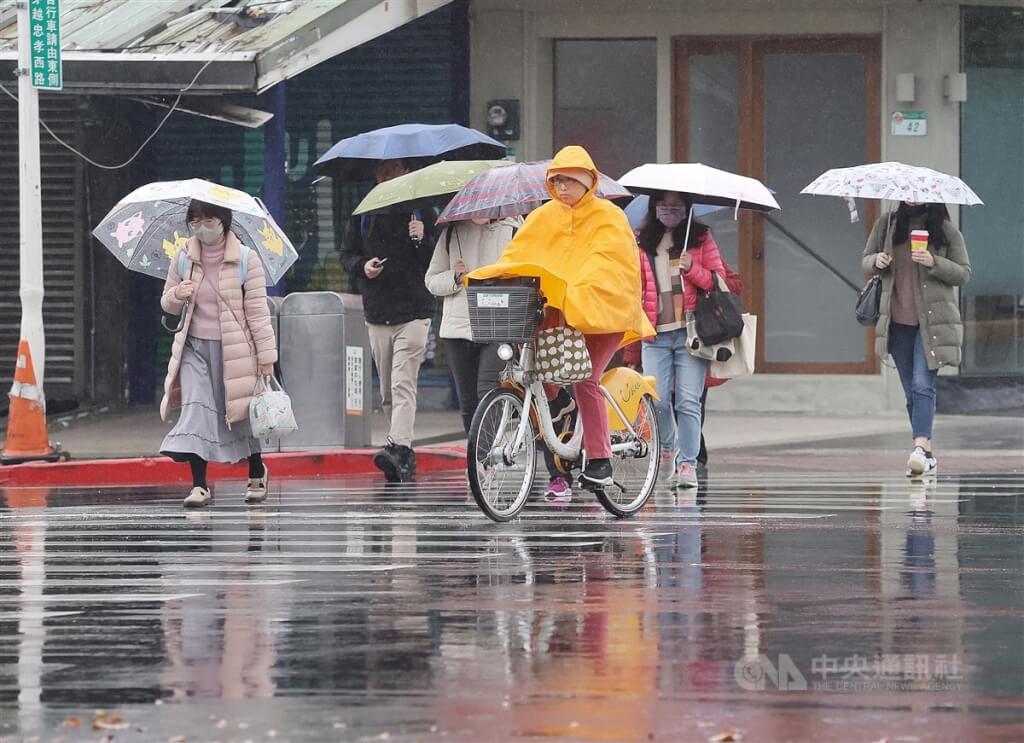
{"x":787,"y":605}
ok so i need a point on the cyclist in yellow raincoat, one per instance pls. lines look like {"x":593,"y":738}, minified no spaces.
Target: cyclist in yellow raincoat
{"x":582,"y":248}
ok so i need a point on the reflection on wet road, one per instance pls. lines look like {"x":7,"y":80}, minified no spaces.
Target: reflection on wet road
{"x":833,"y":606}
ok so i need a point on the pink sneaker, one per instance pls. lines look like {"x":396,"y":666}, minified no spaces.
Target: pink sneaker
{"x":558,"y":490}
{"x":686,"y":476}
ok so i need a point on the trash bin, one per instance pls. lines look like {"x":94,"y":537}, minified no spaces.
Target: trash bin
{"x":325,"y":367}
{"x":274,"y":304}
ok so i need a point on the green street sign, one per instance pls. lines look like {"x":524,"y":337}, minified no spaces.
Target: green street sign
{"x":44,"y":44}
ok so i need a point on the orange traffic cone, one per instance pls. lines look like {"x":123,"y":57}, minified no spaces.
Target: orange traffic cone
{"x":26,"y":419}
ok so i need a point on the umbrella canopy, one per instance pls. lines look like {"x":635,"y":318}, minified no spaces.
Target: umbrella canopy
{"x":512,"y":191}
{"x":637,"y":210}
{"x":146,"y":229}
{"x":894,"y":181}
{"x":424,"y":186}
{"x":355,"y":157}
{"x":703,"y":184}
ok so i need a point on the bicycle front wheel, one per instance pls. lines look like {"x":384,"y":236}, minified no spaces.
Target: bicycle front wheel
{"x":636,"y":470}
{"x":499,"y":475}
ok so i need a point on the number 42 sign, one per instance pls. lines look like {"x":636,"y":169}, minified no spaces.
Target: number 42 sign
{"x":909,"y":124}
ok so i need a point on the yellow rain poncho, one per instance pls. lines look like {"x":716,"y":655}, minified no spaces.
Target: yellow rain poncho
{"x":586,"y":257}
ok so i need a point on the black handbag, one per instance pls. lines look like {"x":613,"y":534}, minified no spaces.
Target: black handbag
{"x":719,"y":315}
{"x":869,"y":301}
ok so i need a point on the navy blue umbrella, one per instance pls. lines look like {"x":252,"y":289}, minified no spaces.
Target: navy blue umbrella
{"x":355,"y":157}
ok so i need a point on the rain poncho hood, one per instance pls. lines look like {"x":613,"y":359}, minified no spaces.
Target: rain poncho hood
{"x":586,"y":257}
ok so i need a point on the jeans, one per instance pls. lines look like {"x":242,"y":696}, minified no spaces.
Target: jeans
{"x":477,"y":370}
{"x":907,"y":349}
{"x":676,"y":372}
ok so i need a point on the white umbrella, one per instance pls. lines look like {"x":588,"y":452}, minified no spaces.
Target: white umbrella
{"x":893,"y":181}
{"x":703,"y":184}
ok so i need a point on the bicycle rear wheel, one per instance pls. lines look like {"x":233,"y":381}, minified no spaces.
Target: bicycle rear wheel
{"x":636,"y":471}
{"x":500,"y":481}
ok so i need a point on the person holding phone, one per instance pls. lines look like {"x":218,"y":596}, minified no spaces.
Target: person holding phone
{"x":387,"y":255}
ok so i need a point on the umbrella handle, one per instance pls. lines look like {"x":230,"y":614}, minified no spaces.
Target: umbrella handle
{"x":181,"y":320}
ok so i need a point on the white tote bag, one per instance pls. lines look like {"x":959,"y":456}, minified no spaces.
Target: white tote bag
{"x":741,"y":363}
{"x":270,"y":410}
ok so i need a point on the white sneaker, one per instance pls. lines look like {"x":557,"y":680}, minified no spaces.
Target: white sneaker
{"x":668,"y":465}
{"x":198,"y":498}
{"x":686,"y":476}
{"x":256,"y":490}
{"x":920,"y":463}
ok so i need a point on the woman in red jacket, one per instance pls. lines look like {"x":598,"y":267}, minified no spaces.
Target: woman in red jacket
{"x":676,"y":272}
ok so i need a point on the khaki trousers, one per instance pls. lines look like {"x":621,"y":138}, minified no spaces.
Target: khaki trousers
{"x":398,"y":351}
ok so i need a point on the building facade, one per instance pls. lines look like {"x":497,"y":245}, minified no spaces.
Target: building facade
{"x":783,"y":91}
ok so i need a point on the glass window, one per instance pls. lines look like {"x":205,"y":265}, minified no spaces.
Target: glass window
{"x":812,"y":251}
{"x":714,"y":134}
{"x":606,"y":100}
{"x":991,"y":153}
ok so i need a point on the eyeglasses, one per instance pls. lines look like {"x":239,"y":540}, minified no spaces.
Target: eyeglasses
{"x":208,"y":222}
{"x":562,"y":181}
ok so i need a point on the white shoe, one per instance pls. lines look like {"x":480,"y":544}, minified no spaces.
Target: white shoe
{"x":686,"y":476}
{"x":198,"y":498}
{"x":920,"y":463}
{"x":668,"y":465}
{"x":256,"y":490}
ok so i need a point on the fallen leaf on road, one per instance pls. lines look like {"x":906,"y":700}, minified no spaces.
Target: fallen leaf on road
{"x":177,"y":739}
{"x":72,"y":722}
{"x":729,"y":736}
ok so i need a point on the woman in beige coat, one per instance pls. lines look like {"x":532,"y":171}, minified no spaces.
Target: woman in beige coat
{"x":225,"y":344}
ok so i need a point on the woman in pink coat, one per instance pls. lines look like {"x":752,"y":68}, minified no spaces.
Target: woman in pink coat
{"x":679,"y":271}
{"x":225,"y":344}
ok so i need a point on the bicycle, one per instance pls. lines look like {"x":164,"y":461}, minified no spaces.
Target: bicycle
{"x":501,"y":453}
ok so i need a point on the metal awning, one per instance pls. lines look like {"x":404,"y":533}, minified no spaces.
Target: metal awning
{"x":142,"y":46}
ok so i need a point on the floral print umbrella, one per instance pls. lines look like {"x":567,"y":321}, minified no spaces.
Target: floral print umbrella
{"x":146,"y":229}
{"x":893,"y":181}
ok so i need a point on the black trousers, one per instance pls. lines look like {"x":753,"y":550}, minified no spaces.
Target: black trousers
{"x":702,"y":455}
{"x":477,"y":370}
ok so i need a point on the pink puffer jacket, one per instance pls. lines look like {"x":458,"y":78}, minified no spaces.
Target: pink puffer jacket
{"x":247,"y":337}
{"x":649,"y":290}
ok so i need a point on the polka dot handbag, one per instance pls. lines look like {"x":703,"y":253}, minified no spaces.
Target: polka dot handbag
{"x":562,"y":356}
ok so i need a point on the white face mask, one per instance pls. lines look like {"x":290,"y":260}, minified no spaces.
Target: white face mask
{"x":209,"y":235}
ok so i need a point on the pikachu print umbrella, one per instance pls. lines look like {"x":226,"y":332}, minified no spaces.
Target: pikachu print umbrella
{"x":146,"y":229}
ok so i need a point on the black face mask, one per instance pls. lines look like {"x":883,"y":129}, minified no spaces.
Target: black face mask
{"x":918,"y":210}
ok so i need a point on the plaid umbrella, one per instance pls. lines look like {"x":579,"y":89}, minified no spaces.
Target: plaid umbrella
{"x":512,"y":191}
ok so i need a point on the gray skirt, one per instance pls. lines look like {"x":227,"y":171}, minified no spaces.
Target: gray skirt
{"x":202,"y":427}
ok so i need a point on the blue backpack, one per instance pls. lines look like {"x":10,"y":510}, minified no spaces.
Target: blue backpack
{"x":243,"y":265}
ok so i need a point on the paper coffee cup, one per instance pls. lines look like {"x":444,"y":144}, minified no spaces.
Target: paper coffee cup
{"x":919,"y":240}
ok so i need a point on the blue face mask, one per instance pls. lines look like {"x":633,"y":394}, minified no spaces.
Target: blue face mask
{"x":670,"y":216}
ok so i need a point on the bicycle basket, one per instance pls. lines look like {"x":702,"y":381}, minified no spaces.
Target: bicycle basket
{"x":504,"y":310}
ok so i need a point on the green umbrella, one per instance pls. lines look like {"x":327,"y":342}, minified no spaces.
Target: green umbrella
{"x":425,"y":186}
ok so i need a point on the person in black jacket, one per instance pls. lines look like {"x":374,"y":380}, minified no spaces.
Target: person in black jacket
{"x":388,"y":255}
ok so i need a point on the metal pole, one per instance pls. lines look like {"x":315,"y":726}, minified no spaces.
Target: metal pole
{"x":275,"y":177}
{"x":30,"y":203}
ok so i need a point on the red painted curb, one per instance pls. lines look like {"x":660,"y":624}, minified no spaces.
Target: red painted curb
{"x":162,"y":471}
